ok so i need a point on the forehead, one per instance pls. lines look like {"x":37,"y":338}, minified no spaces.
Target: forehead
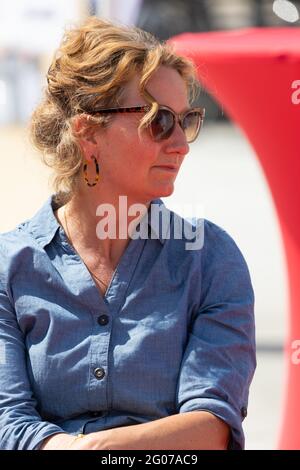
{"x":166,"y":86}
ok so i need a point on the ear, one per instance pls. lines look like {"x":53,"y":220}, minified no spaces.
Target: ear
{"x":86,"y":136}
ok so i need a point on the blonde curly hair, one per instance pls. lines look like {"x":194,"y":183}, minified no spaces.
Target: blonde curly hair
{"x":94,"y":62}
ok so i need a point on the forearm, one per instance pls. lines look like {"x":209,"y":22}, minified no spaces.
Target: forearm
{"x":58,"y":441}
{"x":193,"y":430}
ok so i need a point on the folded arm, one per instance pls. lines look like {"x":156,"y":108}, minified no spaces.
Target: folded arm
{"x":198,"y":430}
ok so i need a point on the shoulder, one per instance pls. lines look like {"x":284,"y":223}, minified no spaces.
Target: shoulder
{"x":202,"y":238}
{"x":225,"y":274}
{"x":13,"y":240}
{"x":211,"y":254}
{"x":220,"y":248}
{"x":14,"y":245}
{"x":20,"y":246}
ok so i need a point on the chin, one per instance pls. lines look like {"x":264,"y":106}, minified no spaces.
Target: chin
{"x":165,"y":191}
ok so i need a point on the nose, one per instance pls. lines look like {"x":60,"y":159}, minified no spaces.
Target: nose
{"x":177,"y":142}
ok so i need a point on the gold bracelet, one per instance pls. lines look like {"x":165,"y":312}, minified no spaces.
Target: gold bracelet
{"x":78,"y":436}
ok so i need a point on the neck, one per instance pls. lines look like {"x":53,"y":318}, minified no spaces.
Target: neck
{"x":90,"y":216}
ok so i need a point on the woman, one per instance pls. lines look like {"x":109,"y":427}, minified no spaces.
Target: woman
{"x":113,"y":337}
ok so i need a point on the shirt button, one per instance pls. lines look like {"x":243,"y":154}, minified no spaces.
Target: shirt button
{"x":244,"y":411}
{"x":103,"y":320}
{"x":99,"y":373}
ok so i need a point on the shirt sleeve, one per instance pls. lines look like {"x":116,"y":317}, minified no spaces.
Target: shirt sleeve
{"x":219,"y":359}
{"x":21,"y":427}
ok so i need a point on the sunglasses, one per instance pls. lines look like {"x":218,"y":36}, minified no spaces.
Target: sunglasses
{"x":164,"y":121}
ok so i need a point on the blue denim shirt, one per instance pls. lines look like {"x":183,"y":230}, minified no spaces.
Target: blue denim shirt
{"x":174,"y":333}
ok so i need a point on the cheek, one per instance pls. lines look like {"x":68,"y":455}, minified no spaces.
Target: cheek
{"x":128,"y":154}
{"x":142,"y":154}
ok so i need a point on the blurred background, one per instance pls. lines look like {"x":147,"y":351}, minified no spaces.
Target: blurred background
{"x":221,"y":175}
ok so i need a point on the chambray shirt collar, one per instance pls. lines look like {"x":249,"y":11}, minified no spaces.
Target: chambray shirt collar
{"x":155,"y":224}
{"x":44,"y":225}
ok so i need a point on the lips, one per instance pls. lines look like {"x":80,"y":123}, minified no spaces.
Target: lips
{"x":167,"y":167}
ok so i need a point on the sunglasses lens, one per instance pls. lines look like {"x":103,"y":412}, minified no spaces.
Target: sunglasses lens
{"x":162,"y":125}
{"x":191,"y":125}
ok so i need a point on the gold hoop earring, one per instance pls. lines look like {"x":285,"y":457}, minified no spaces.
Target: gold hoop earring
{"x":97,"y":172}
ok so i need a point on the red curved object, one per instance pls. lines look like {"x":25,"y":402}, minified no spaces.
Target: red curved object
{"x":255,"y":75}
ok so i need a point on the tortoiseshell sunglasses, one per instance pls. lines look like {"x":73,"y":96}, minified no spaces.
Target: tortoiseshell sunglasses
{"x":164,"y":121}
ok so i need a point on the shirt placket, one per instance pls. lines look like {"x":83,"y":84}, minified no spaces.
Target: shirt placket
{"x":104,"y":309}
